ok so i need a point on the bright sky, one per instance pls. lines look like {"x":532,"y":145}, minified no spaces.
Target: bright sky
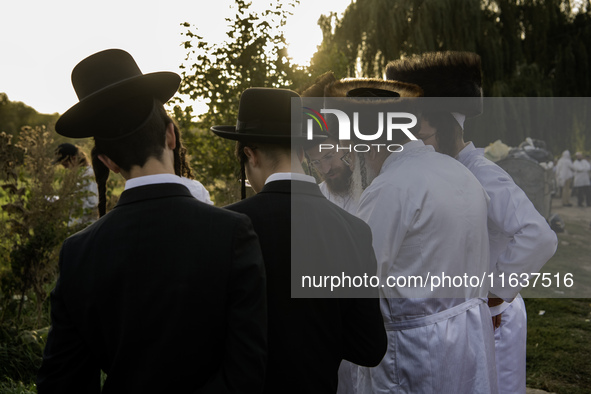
{"x":42,"y":40}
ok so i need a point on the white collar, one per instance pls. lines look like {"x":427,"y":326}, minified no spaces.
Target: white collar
{"x":469,"y":149}
{"x":152,"y":179}
{"x":288,"y":176}
{"x":410,"y":146}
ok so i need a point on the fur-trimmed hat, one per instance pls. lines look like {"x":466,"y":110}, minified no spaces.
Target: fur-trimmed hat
{"x":371,"y":87}
{"x":443,"y":74}
{"x":317,"y":88}
{"x":365,"y":97}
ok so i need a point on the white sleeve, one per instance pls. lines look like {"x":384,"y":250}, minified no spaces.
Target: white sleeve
{"x":197,"y":190}
{"x":531,"y":241}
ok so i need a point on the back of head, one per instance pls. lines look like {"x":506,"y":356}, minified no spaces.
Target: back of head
{"x":68,"y":154}
{"x":139,"y":142}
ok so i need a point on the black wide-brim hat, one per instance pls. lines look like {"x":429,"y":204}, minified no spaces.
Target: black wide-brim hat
{"x":105,"y":80}
{"x":265,"y":115}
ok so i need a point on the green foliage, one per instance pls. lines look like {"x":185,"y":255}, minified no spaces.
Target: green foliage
{"x":12,"y":387}
{"x":35,"y":218}
{"x":254,"y":54}
{"x":20,"y":358}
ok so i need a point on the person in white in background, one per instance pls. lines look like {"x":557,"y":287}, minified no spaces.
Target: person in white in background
{"x":581,"y":181}
{"x":70,"y":156}
{"x":197,"y":190}
{"x":521,"y":240}
{"x":564,"y":177}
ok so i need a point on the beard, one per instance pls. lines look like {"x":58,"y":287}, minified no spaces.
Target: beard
{"x":339,"y":182}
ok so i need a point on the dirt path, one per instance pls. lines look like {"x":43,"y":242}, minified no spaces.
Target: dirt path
{"x":535,"y":391}
{"x":572,"y":214}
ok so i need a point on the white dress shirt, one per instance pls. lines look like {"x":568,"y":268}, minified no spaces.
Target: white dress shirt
{"x":290,"y":176}
{"x":195,"y":187}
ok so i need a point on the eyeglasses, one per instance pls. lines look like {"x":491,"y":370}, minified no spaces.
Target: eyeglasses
{"x":329,"y":157}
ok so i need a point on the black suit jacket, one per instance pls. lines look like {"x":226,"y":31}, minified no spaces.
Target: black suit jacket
{"x":308,"y":337}
{"x":165,"y":294}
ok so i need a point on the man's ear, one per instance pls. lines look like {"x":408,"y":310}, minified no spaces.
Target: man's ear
{"x":252,"y":156}
{"x":170,"y":136}
{"x":110,"y":164}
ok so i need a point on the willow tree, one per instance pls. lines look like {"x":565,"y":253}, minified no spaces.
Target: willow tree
{"x":529,"y":48}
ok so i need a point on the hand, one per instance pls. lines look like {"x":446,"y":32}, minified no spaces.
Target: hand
{"x":494,"y":301}
{"x":496,"y":320}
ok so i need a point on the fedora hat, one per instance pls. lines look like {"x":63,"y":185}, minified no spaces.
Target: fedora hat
{"x":106,"y":80}
{"x":264,"y":115}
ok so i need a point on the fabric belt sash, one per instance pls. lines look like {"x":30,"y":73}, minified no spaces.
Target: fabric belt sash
{"x":434,"y":318}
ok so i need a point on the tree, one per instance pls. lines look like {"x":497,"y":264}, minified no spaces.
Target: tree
{"x":14,"y":115}
{"x":529,"y":48}
{"x":35,"y":215}
{"x":253,"y":55}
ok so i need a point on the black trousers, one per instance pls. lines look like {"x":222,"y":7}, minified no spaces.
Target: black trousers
{"x":584,"y":195}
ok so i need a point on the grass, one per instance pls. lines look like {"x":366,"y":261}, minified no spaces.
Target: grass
{"x":559,"y":345}
{"x":559,"y":340}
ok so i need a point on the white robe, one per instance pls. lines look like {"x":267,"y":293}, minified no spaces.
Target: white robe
{"x":521,"y":241}
{"x":428,"y":213}
{"x":581,"y":168}
{"x":564,"y":168}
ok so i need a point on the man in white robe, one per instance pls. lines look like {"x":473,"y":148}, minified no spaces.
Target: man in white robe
{"x":581,"y":182}
{"x":564,"y":177}
{"x":427,"y":213}
{"x":521,"y":240}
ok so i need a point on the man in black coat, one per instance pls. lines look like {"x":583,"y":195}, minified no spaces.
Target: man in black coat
{"x":303,"y":234}
{"x":164,"y":293}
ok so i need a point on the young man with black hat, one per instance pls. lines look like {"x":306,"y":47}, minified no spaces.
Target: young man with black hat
{"x":308,"y":335}
{"x":521,"y":240}
{"x":163,"y":293}
{"x":423,"y":209}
